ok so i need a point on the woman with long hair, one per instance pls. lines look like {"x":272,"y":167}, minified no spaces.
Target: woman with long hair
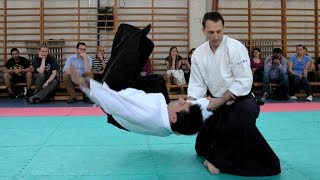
{"x":173,"y":62}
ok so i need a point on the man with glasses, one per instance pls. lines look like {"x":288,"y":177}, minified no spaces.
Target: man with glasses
{"x":83,"y":64}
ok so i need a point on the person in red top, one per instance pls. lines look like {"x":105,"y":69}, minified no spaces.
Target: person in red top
{"x":257,"y":63}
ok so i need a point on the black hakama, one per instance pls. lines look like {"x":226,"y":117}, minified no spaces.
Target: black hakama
{"x":231,"y":141}
{"x":131,"y":49}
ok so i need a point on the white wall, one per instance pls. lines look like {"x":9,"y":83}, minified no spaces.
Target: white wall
{"x":197,"y":10}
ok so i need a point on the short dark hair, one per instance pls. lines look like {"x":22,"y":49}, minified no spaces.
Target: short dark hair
{"x":80,"y":43}
{"x":300,"y":45}
{"x":213,"y":16}
{"x":188,"y":122}
{"x":277,"y":50}
{"x":190,"y":53}
{"x":256,"y":49}
{"x":14,"y":49}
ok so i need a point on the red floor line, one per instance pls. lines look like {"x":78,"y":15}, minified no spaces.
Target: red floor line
{"x":291,"y":107}
{"x":96,"y":111}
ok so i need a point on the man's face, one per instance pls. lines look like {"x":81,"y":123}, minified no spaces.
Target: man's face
{"x":100,"y":51}
{"x":214,"y":32}
{"x":299,"y":50}
{"x":81,"y":49}
{"x":179,"y":105}
{"x":43,"y":52}
{"x":15,"y":55}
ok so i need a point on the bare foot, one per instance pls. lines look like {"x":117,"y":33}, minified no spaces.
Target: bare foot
{"x":212,"y":169}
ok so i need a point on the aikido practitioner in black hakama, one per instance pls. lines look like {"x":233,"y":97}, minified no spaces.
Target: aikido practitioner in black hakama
{"x":229,"y":141}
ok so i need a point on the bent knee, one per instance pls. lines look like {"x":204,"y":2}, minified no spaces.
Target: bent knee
{"x":28,"y":74}
{"x":66,"y":75}
{"x":7,"y":76}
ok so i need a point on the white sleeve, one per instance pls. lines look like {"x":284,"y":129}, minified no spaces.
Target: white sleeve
{"x":242,"y":72}
{"x":196,"y":87}
{"x":121,"y":103}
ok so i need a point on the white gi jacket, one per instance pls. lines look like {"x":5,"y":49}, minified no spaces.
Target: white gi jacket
{"x":227,"y":69}
{"x":133,"y":109}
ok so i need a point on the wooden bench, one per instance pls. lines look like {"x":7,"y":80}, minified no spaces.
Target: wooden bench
{"x":60,"y":95}
{"x":260,"y":84}
{"x":15,"y":84}
{"x":176,"y":91}
{"x":177,"y":96}
{"x":300,"y":94}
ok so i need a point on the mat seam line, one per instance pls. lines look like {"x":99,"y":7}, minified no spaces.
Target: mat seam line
{"x":36,"y":152}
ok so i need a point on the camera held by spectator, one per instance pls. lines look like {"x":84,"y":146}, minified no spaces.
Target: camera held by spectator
{"x":276,"y":60}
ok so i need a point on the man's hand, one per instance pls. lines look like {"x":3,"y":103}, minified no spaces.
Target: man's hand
{"x":277,"y":62}
{"x":17,"y":71}
{"x":45,"y":84}
{"x":214,"y":103}
{"x":83,"y":54}
{"x":100,"y":56}
{"x":42,"y":57}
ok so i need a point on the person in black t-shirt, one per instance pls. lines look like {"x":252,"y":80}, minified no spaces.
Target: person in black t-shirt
{"x":17,"y":70}
{"x":46,"y":69}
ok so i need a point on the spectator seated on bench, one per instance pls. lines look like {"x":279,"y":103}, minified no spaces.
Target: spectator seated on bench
{"x":173,"y":62}
{"x":298,"y":71}
{"x":18,"y":69}
{"x":45,"y":68}
{"x":275,"y":71}
{"x":256,"y":64}
{"x":83,"y":64}
{"x":99,"y":63}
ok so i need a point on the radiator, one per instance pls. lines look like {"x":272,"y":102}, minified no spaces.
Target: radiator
{"x":266,"y":46}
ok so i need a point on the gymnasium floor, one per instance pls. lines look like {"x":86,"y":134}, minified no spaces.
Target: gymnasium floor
{"x":60,"y":143}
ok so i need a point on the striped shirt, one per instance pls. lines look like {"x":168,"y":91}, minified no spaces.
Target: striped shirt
{"x":97,"y":64}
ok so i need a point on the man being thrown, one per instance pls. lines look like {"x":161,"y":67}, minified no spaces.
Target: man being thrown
{"x":134,"y":103}
{"x":144,"y":113}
